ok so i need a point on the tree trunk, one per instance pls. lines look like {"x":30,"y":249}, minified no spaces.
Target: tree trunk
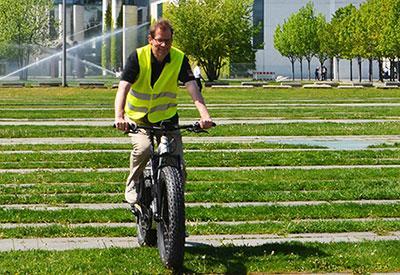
{"x":392,"y":69}
{"x":292,"y":61}
{"x":351,"y":69}
{"x":331,"y":68}
{"x":301,"y":69}
{"x":359,"y":60}
{"x":309,"y":68}
{"x":398,"y":69}
{"x":370,"y":70}
{"x":380,"y":69}
{"x":337,"y":69}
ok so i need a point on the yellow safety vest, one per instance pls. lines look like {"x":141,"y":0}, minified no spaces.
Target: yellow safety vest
{"x":158,"y":102}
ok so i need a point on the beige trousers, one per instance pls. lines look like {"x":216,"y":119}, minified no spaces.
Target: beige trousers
{"x":141,"y":152}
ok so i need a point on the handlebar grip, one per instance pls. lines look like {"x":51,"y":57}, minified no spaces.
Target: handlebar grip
{"x":132,"y":126}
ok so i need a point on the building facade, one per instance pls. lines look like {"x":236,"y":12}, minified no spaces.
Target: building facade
{"x":270,"y":13}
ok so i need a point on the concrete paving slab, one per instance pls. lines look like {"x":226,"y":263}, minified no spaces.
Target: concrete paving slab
{"x":249,"y":168}
{"x":218,"y":139}
{"x":189,"y":223}
{"x":257,"y":150}
{"x":105,"y":206}
{"x":105,"y":123}
{"x":61,"y":244}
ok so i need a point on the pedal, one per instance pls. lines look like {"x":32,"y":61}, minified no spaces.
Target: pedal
{"x":136,"y":209}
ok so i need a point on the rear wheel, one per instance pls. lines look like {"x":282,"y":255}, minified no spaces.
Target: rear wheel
{"x":171,"y":228}
{"x":147,"y":236}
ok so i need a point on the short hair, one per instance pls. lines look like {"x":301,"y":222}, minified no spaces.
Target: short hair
{"x":162,"y":24}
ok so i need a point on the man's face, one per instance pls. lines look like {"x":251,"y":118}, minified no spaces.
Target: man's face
{"x":161,"y":43}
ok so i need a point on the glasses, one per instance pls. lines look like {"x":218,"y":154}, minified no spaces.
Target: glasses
{"x":166,"y":42}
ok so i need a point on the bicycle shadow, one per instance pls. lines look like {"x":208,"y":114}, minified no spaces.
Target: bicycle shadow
{"x":234,"y":258}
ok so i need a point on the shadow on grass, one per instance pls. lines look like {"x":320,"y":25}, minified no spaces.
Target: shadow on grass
{"x":233,"y":258}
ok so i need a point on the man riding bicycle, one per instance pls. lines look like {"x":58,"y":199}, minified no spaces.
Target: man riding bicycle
{"x":147,"y":95}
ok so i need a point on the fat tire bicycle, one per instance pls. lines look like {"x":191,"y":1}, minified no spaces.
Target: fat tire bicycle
{"x":160,"y":205}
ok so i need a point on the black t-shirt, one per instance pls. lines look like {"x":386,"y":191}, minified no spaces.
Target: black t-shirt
{"x":132,"y":69}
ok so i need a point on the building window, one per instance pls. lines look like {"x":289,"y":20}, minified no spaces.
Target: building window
{"x":159,"y":10}
{"x":140,"y":17}
{"x":258,"y":20}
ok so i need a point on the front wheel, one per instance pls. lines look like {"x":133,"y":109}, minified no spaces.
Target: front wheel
{"x":171,"y":228}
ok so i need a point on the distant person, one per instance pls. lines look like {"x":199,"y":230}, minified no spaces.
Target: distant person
{"x":324,"y":72}
{"x":317,"y":73}
{"x":385,"y":72}
{"x":197,"y":76}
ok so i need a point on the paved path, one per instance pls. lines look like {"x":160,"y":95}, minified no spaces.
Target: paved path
{"x":80,"y":122}
{"x":256,"y":150}
{"x":61,"y":244}
{"x":219,"y":139}
{"x":64,"y":107}
{"x":227,"y":223}
{"x":249,"y":168}
{"x":106,"y":206}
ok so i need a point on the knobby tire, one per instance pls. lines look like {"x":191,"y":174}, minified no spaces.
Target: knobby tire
{"x":171,"y":228}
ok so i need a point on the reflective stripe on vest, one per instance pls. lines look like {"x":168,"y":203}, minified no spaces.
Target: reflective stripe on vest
{"x":160,"y":101}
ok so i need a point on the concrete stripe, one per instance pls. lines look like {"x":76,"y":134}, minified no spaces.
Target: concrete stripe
{"x":218,"y":139}
{"x":258,"y":150}
{"x":106,"y":206}
{"x":249,"y":168}
{"x":60,"y":244}
{"x":219,"y":122}
{"x":189,"y":223}
{"x":222,"y":105}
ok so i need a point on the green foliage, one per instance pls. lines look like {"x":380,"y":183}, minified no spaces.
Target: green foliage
{"x":370,"y":32}
{"x":23,"y":28}
{"x":213,"y":31}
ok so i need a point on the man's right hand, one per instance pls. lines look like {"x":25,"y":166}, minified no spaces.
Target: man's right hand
{"x":121,"y":124}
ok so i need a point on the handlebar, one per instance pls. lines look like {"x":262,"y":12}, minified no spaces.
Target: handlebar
{"x":194,"y":127}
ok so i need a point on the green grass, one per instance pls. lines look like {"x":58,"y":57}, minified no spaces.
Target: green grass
{"x":290,"y":129}
{"x":215,"y":213}
{"x":231,"y":195}
{"x":361,"y":257}
{"x":266,"y":227}
{"x":127,"y":146}
{"x":285,"y":112}
{"x":278,"y":179}
{"x":105,"y":97}
{"x":204,"y":159}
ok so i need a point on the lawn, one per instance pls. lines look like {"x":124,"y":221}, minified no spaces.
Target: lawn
{"x":340,"y":200}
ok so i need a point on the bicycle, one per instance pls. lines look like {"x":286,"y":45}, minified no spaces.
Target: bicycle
{"x":160,"y":206}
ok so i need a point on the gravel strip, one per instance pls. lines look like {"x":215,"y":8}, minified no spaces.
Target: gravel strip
{"x":61,"y":244}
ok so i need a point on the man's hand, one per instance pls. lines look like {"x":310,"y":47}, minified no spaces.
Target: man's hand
{"x":122,"y":124}
{"x":206,"y":123}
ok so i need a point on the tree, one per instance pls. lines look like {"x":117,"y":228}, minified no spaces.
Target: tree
{"x":342,"y":31}
{"x":213,"y":31}
{"x":25,"y":25}
{"x":283,"y":42}
{"x":306,"y":30}
{"x":324,"y":38}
